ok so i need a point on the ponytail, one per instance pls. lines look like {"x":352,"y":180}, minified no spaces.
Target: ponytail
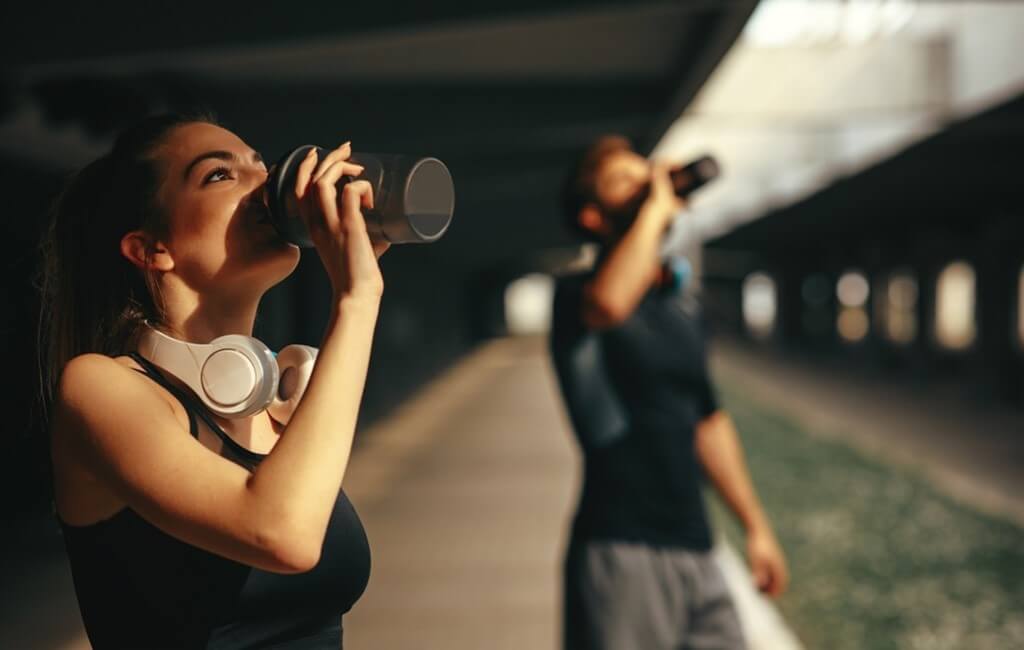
{"x":93,"y":299}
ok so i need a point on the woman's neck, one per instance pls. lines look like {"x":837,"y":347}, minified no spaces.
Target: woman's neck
{"x":197,"y":319}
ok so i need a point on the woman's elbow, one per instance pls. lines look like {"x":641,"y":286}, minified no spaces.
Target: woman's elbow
{"x":298,"y":558}
{"x":288,"y":549}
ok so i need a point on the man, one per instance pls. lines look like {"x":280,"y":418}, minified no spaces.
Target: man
{"x":630,"y":359}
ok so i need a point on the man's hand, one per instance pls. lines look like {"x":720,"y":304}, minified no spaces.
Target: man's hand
{"x":662,"y":203}
{"x":767,"y":563}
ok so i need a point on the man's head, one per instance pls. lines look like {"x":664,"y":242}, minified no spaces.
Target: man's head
{"x":605,"y":179}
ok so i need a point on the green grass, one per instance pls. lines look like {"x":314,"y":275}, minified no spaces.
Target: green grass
{"x":879,"y":559}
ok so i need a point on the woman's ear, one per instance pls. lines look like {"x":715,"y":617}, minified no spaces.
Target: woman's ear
{"x":593,"y":220}
{"x":143,"y":251}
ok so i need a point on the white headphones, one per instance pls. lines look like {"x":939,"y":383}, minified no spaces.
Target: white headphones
{"x":235,"y":376}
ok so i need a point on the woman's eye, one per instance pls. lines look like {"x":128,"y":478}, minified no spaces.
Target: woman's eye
{"x":217,"y":175}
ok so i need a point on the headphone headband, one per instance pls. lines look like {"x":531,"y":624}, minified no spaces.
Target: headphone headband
{"x":235,"y":376}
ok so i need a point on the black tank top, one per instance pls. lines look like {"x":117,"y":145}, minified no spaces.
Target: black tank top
{"x":139,"y":587}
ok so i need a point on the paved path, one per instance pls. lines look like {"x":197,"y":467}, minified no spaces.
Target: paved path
{"x":465,"y":494}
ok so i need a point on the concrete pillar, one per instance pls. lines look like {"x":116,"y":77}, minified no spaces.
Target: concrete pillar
{"x":789,"y":305}
{"x":998,"y":362}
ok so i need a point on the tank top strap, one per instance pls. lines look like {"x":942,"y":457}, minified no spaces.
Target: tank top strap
{"x":194,"y":407}
{"x":149,"y":370}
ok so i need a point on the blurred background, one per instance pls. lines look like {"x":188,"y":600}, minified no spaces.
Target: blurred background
{"x":861,"y":262}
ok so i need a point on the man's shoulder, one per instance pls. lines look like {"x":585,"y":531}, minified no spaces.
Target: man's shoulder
{"x":567,"y":314}
{"x":574,"y":280}
{"x":569,"y":288}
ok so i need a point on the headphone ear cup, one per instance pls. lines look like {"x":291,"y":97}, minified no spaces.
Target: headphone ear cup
{"x":239,"y":377}
{"x":295,"y":365}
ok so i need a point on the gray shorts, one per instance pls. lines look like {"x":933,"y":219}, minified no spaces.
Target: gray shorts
{"x":625,"y":596}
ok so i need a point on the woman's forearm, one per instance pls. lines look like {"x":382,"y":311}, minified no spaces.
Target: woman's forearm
{"x":297,"y":484}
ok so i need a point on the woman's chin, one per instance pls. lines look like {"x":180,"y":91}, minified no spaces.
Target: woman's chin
{"x":270,"y":263}
{"x":283,"y":259}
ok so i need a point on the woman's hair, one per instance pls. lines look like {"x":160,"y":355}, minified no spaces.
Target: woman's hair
{"x":93,"y":299}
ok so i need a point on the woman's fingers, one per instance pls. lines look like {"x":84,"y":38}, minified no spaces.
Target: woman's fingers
{"x":326,"y":172}
{"x":334,"y":215}
{"x":325,"y":183}
{"x":331,"y":175}
{"x":342,"y":212}
{"x":354,"y":196}
{"x":341,"y":153}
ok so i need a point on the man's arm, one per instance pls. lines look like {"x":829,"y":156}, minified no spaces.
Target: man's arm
{"x":721,"y":454}
{"x":631,"y":266}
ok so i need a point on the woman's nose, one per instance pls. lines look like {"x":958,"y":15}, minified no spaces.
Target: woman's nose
{"x":259,"y":194}
{"x":257,"y":178}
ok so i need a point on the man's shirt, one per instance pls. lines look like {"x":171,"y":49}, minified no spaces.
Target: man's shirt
{"x":635,"y":394}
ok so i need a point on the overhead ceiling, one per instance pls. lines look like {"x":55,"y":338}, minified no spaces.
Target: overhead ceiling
{"x":504,"y":92}
{"x":816,"y":90}
{"x":957,"y":183}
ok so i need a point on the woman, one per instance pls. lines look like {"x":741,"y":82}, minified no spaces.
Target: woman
{"x":185,"y":529}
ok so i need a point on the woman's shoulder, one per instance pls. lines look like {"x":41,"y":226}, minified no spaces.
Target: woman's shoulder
{"x":92,"y":373}
{"x":102,"y":410}
{"x":96,"y":386}
{"x":94,"y":361}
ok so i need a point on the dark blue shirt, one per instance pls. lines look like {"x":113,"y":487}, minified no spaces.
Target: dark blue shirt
{"x":635,"y":394}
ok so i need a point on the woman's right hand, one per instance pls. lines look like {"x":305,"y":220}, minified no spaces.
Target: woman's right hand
{"x":336,"y":223}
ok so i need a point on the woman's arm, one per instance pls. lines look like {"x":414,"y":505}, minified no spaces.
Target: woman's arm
{"x":298,"y":483}
{"x":126,"y":436}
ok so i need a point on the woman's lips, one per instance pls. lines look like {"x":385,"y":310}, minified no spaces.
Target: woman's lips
{"x":255,"y":208}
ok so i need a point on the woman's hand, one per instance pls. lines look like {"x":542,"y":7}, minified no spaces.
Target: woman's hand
{"x":336,"y":224}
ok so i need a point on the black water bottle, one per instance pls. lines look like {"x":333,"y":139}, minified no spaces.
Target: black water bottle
{"x":685,"y":180}
{"x":414,"y":198}
{"x":694,"y":175}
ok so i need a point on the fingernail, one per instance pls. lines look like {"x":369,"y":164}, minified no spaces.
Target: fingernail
{"x":310,"y":153}
{"x":347,"y":143}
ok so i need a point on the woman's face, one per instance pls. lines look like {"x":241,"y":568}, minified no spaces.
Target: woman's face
{"x":218,"y":234}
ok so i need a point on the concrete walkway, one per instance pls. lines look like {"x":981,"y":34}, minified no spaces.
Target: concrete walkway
{"x":466,"y":493}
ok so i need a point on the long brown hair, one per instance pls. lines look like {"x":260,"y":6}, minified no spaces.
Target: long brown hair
{"x":93,"y":299}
